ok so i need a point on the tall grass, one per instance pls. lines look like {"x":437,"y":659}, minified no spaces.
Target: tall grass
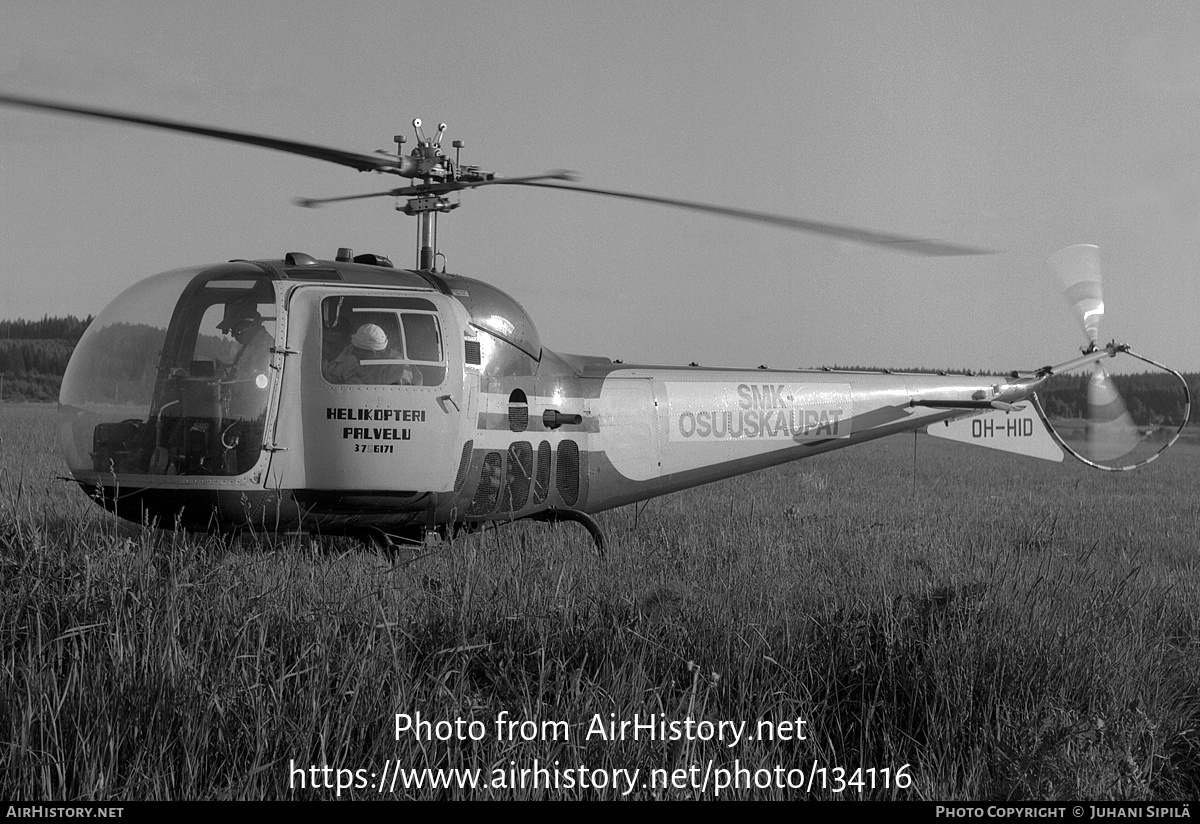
{"x":1008,"y":629}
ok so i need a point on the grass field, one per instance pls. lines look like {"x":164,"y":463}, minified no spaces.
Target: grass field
{"x":974,"y":626}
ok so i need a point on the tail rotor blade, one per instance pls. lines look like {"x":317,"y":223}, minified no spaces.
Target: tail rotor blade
{"x":1111,"y":432}
{"x":1078,"y":269}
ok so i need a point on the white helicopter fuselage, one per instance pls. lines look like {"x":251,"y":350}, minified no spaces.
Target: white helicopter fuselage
{"x":465,"y":418}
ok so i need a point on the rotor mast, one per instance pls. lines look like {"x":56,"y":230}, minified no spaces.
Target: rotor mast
{"x":432,"y":167}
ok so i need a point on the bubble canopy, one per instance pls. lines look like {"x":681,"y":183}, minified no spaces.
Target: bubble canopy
{"x":173,"y":377}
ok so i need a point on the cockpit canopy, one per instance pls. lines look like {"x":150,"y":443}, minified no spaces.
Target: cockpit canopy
{"x":173,"y":377}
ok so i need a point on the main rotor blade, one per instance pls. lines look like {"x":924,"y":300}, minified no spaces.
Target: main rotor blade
{"x":911,"y":245}
{"x":314,"y":202}
{"x":406,"y":167}
{"x":355,"y":160}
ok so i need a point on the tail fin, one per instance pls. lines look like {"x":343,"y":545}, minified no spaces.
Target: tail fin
{"x":1084,"y":415}
{"x":1021,"y":430}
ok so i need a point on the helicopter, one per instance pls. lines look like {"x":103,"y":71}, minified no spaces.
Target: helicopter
{"x":347,"y":396}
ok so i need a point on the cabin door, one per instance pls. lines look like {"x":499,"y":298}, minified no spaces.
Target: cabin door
{"x":379,"y":392}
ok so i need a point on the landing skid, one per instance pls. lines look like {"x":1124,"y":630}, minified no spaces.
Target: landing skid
{"x":588,"y":522}
{"x":414,"y":540}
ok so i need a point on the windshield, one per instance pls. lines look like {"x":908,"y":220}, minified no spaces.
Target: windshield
{"x":173,"y":378}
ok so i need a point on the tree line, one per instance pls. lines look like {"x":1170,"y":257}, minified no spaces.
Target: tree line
{"x":34,"y":355}
{"x":68,"y":328}
{"x":1151,"y":398}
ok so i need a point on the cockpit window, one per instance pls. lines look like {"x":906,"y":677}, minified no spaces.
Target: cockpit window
{"x":381,"y":341}
{"x":174,"y":377}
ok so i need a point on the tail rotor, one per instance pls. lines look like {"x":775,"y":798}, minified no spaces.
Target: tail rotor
{"x":1108,"y":436}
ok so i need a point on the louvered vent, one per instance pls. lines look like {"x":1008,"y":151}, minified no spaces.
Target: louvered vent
{"x":464,"y":464}
{"x":520,"y":472}
{"x":472,"y":352}
{"x":567,"y":477}
{"x":489,"y":485}
{"x":518,"y":411}
{"x":541,"y":478}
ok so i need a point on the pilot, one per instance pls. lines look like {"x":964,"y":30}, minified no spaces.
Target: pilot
{"x":246,"y":399}
{"x":243,"y":322}
{"x":370,"y":343}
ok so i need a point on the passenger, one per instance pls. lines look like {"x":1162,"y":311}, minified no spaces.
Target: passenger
{"x":353,"y":365}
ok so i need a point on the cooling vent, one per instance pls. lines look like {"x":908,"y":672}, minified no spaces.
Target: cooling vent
{"x":567,"y":477}
{"x":520,"y":472}
{"x":464,"y":464}
{"x":489,"y":485}
{"x":518,"y":411}
{"x":541,"y":478}
{"x":472,"y":352}
{"x":518,"y":418}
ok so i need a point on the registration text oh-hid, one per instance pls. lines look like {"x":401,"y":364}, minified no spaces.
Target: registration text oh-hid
{"x":1010,"y":427}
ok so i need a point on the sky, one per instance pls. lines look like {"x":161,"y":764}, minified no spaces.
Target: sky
{"x":1023,"y":127}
